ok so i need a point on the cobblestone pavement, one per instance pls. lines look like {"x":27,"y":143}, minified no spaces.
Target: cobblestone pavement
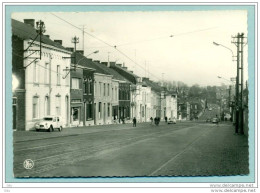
{"x":184,"y":149}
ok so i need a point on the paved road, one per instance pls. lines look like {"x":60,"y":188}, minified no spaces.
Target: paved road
{"x":187,"y":148}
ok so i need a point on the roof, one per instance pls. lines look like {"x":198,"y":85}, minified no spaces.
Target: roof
{"x":115,"y":74}
{"x":86,"y":62}
{"x":125,"y":73}
{"x":154,"y":86}
{"x":26,"y":32}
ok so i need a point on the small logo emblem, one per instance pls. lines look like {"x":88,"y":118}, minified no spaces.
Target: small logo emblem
{"x":28,"y":164}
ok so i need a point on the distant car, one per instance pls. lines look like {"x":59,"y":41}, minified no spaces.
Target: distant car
{"x":210,"y":109}
{"x":215,"y":120}
{"x":208,"y":120}
{"x":172,"y":121}
{"x":49,"y":123}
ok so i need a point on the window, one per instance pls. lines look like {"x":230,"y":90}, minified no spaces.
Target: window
{"x":75,"y":113}
{"x":75,"y":83}
{"x":35,"y":107}
{"x":104,"y":89}
{"x":58,"y":105}
{"x":99,"y":110}
{"x":46,"y":73}
{"x":108,"y":109}
{"x":116,"y":93}
{"x":195,"y":106}
{"x":89,"y":111}
{"x":58,"y":74}
{"x":100,"y":89}
{"x":112,"y":93}
{"x":108,"y":87}
{"x":35,"y":73}
{"x":85,"y":86}
{"x":90,"y":85}
{"x":47,"y":105}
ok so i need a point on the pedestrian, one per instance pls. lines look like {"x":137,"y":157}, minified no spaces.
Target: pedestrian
{"x":134,"y":122}
{"x":217,"y":120}
{"x":156,"y":121}
{"x":165,"y":119}
{"x":151,"y":119}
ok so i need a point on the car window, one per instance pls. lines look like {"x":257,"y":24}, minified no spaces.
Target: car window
{"x":54,"y":119}
{"x":47,"y":118}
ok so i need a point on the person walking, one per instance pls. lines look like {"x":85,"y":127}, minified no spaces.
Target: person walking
{"x":151,"y":119}
{"x":156,"y":121}
{"x":134,"y":122}
{"x":165,"y":119}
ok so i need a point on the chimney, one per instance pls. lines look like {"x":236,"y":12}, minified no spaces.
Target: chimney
{"x":58,"y":42}
{"x":80,"y":51}
{"x":124,"y":67}
{"x":29,"y":22}
{"x":112,"y":64}
{"x":104,"y":63}
{"x":70,"y":49}
{"x":47,"y":36}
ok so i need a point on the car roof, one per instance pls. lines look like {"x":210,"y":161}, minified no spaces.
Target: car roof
{"x":50,"y":116}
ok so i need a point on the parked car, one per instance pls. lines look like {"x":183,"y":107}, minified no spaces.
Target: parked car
{"x":210,"y":109}
{"x":208,"y":120}
{"x":49,"y":123}
{"x":215,"y":120}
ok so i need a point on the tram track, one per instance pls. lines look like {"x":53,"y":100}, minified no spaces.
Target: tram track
{"x":83,"y":153}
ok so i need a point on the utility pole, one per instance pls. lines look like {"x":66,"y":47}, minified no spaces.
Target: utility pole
{"x":239,"y":42}
{"x":75,"y":41}
{"x":83,"y":34}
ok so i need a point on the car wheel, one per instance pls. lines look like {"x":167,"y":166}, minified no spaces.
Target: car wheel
{"x":51,"y":129}
{"x":60,"y":128}
{"x":37,"y":129}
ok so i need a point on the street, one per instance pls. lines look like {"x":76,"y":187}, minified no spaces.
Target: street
{"x":192,"y":148}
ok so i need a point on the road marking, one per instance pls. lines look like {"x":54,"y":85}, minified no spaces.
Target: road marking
{"x":174,"y":157}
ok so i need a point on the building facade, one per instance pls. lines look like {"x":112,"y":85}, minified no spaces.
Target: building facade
{"x":44,"y":88}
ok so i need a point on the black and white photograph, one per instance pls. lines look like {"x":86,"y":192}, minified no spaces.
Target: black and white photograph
{"x":130,"y":93}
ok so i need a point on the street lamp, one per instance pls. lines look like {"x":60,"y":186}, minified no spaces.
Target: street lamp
{"x":95,"y":52}
{"x":217,"y":44}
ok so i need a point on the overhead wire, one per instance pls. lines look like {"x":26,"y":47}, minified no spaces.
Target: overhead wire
{"x":104,"y":43}
{"x":115,"y":46}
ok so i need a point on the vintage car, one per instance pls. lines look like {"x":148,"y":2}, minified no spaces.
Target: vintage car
{"x":49,"y":123}
{"x":215,"y":120}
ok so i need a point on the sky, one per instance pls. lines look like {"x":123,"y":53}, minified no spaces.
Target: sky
{"x":168,"y":45}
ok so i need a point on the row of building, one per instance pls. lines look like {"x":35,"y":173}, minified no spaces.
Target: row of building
{"x":49,"y":79}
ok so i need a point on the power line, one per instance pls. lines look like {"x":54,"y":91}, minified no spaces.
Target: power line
{"x":103,"y":42}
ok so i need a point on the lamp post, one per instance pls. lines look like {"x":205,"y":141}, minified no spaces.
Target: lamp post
{"x":236,"y":102}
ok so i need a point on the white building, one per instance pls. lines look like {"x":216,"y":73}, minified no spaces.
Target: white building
{"x":43,"y":87}
{"x":47,"y":85}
